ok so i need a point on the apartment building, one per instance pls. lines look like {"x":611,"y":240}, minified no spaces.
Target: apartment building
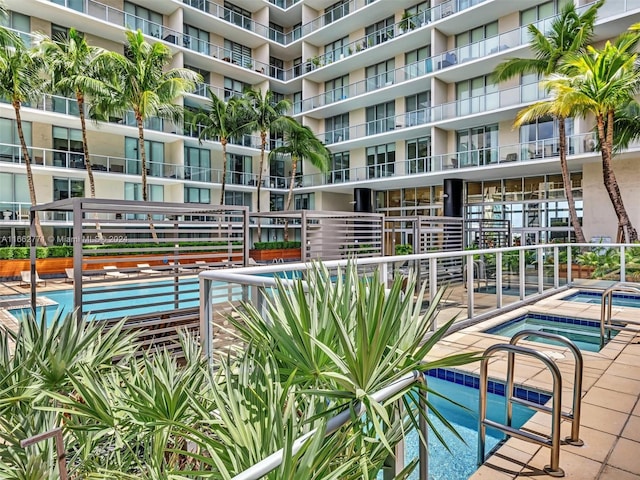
{"x":398,"y":90}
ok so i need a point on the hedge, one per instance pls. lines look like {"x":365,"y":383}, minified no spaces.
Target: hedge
{"x":275,"y":245}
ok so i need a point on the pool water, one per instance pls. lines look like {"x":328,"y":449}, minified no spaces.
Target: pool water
{"x":460,"y":461}
{"x":584,"y":333}
{"x":159,"y":293}
{"x":619,"y":299}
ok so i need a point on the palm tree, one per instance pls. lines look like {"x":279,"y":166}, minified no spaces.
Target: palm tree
{"x":602,"y":82}
{"x":569,"y":32}
{"x":20,"y":82}
{"x":268,"y":115}
{"x":72,"y":64}
{"x":138,"y":82}
{"x":224,"y":120}
{"x":300,"y":143}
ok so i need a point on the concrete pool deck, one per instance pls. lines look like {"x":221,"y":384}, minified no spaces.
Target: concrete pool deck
{"x":610,"y":421}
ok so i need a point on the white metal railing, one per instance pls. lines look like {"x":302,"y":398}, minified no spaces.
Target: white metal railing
{"x":517,"y":276}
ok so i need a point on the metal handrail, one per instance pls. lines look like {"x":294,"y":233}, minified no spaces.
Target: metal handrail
{"x":574,"y":416}
{"x":553,"y":441}
{"x":606,"y":305}
{"x":274,"y":460}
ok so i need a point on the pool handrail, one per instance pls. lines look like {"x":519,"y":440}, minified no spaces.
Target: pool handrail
{"x":606,"y":306}
{"x":574,"y":416}
{"x":553,"y":441}
{"x":274,"y":460}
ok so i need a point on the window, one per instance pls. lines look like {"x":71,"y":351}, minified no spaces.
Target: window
{"x":154,"y":154}
{"x":64,"y":188}
{"x":201,"y":88}
{"x":137,"y":17}
{"x":304,"y":201}
{"x":381,"y":160}
{"x":276,"y":32}
{"x":238,"y":54}
{"x":539,"y":139}
{"x":10,"y":141}
{"x":67,"y":143}
{"x":77,"y":5}
{"x":297,"y":102}
{"x":336,"y":89}
{"x":417,"y":15}
{"x":418,"y":109}
{"x":470,"y":44}
{"x":539,"y":12}
{"x":236,"y":15}
{"x":199,"y":4}
{"x":339,"y":171}
{"x":239,"y":170}
{"x":297,"y":67}
{"x":336,"y":128}
{"x":418,"y":62}
{"x":476,"y":95}
{"x":380,"y":75}
{"x":419,"y":155}
{"x":336,"y":50}
{"x":276,"y":202}
{"x":381,"y":118}
{"x":276,"y":68}
{"x":531,"y":89}
{"x":197,"y":163}
{"x":477,"y":146}
{"x":380,"y":32}
{"x":336,"y":11}
{"x":19,"y":22}
{"x":196,"y":39}
{"x":233,"y":88}
{"x":237,"y":198}
{"x":14,"y":195}
{"x":197,"y":195}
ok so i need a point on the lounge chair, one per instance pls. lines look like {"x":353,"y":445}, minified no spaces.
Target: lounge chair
{"x":70,"y":276}
{"x":202,"y":265}
{"x":147,"y":270}
{"x":112,"y":271}
{"x":252,"y":262}
{"x":25,"y":279}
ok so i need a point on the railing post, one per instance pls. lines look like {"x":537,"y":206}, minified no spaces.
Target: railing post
{"x":569,"y":265}
{"x":623,"y":264}
{"x":540,"y":253}
{"x":498,"y":279}
{"x":470,"y":272}
{"x":521,"y":271}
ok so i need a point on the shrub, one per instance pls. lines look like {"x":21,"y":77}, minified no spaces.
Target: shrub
{"x":275,"y":245}
{"x":404,"y":249}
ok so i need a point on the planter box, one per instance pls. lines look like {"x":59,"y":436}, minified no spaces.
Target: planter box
{"x":577,"y":271}
{"x":44,"y":266}
{"x":286,"y":254}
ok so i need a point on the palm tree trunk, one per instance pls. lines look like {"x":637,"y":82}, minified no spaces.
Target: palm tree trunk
{"x":223,"y":142}
{"x":143,"y":166}
{"x":143,"y":155}
{"x":27,"y":163}
{"x":294,"y":168}
{"x":610,"y":181}
{"x":263,"y":144}
{"x":566,"y":180}
{"x":87,"y":160}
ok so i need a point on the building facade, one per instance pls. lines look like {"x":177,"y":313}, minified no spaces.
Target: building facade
{"x":399,"y":91}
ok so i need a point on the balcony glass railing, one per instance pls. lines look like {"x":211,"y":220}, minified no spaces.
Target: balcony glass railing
{"x":448,"y":111}
{"x":578,"y":144}
{"x":236,"y":18}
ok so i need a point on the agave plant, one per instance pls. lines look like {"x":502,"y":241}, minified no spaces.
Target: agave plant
{"x":325,"y":346}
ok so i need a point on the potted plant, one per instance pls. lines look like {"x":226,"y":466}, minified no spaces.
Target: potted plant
{"x":270,"y":251}
{"x":407,"y":23}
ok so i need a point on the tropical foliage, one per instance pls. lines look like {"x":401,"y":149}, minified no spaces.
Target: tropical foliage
{"x":568,"y":33}
{"x":222,"y":121}
{"x":606,"y":262}
{"x":21,"y":82}
{"x":138,"y":81}
{"x":300,"y":143}
{"x":315,"y":352}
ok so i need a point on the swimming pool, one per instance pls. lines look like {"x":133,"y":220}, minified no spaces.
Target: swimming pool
{"x":619,"y":299}
{"x":461,"y":461}
{"x":584,"y":333}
